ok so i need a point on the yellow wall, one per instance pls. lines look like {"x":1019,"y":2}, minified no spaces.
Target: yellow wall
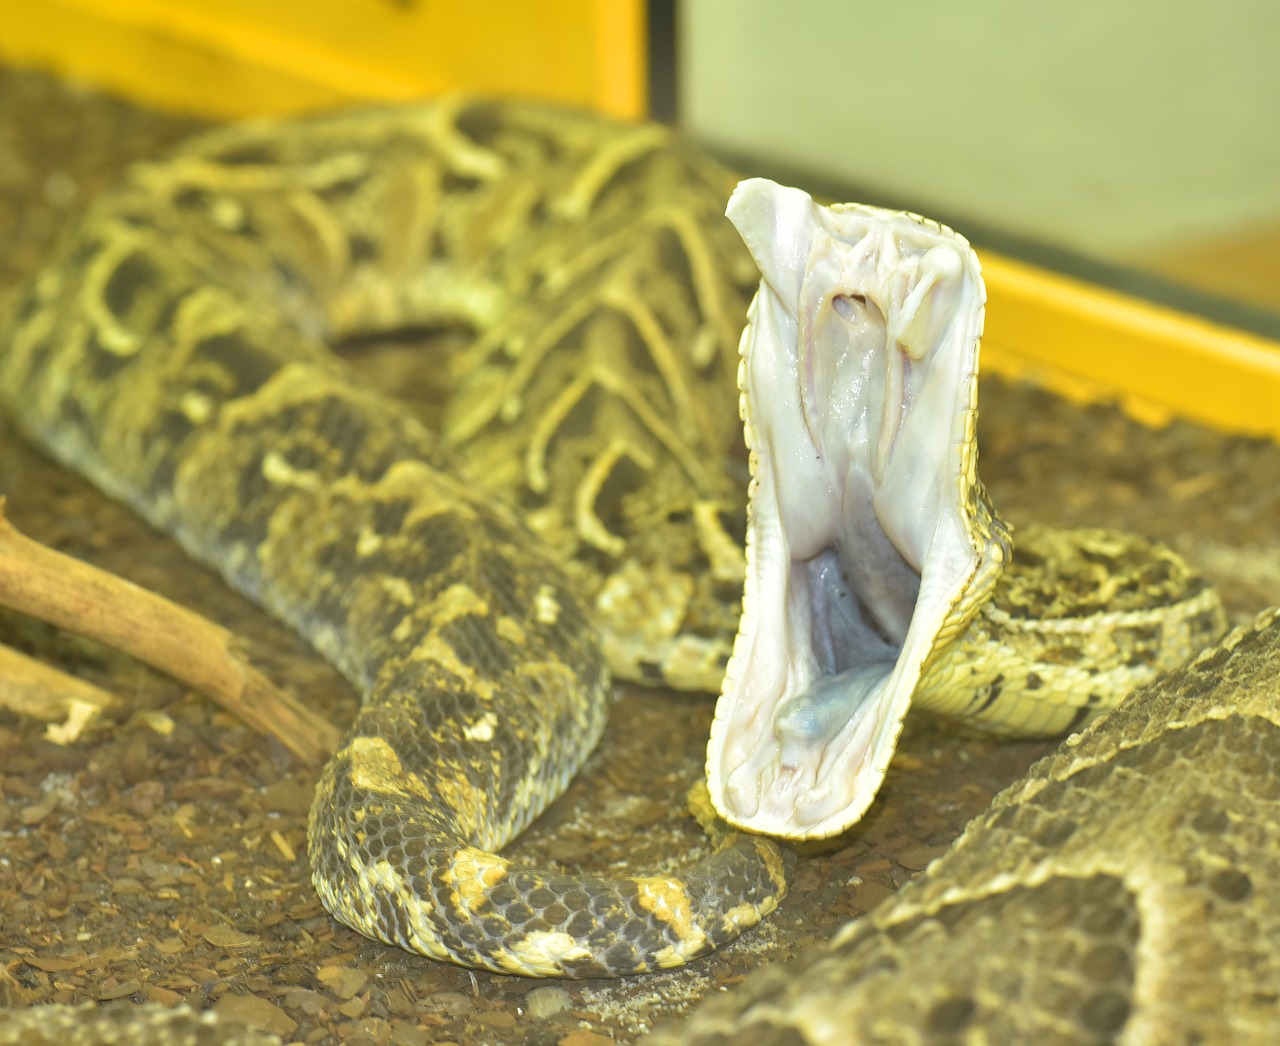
{"x":232,"y":57}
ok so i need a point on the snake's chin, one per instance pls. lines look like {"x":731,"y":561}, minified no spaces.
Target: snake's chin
{"x":858,"y":380}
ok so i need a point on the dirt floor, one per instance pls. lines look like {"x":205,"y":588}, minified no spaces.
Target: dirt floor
{"x":162,"y":856}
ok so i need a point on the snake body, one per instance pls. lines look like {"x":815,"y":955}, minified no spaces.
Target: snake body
{"x":1126,"y":890}
{"x":575,"y":509}
{"x":175,"y":355}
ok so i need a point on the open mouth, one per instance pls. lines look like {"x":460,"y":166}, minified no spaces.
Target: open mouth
{"x":858,"y":379}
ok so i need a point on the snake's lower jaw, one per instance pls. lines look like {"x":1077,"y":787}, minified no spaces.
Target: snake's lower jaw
{"x":800,"y":787}
{"x":862,"y":546}
{"x":798,"y":752}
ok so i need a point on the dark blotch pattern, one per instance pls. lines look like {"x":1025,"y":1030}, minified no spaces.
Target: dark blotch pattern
{"x":483,"y":684}
{"x":245,"y":362}
{"x":136,"y":274}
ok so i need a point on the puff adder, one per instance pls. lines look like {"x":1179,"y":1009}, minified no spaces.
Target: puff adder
{"x":176,"y":352}
{"x":575,"y":508}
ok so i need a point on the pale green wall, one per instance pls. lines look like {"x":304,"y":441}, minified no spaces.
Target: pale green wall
{"x":1109,"y":126}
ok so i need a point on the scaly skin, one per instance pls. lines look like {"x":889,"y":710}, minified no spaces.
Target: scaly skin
{"x":173,"y":352}
{"x":576,"y":508}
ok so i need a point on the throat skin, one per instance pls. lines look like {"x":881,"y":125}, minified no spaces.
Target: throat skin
{"x":866,"y":523}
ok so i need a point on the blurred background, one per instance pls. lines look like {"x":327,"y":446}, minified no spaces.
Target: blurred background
{"x":1133,"y":145}
{"x":1142,"y":135}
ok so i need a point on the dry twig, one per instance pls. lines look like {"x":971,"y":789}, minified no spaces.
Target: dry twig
{"x":68,"y":593}
{"x":41,"y":691}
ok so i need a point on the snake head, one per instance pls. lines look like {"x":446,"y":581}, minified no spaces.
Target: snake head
{"x":869,"y":543}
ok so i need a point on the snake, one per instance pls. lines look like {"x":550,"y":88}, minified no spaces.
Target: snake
{"x":1124,"y":891}
{"x":575,"y":512}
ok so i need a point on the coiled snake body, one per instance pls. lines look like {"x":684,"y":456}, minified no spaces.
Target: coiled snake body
{"x":578,"y":504}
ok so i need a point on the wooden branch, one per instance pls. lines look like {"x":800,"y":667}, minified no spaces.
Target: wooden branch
{"x":68,"y":593}
{"x":33,"y":688}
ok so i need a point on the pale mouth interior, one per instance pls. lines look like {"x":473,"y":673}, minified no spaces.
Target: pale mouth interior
{"x":859,"y":360}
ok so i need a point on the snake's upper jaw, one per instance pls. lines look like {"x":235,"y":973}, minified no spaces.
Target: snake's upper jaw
{"x":858,"y":380}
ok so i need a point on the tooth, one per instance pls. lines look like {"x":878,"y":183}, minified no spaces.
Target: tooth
{"x":742,"y":797}
{"x":779,"y":227}
{"x":890,"y":415}
{"x":815,"y":805}
{"x":914,"y":325}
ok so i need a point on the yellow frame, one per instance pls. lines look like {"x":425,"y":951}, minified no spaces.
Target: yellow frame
{"x":235,"y":57}
{"x":1089,"y":344}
